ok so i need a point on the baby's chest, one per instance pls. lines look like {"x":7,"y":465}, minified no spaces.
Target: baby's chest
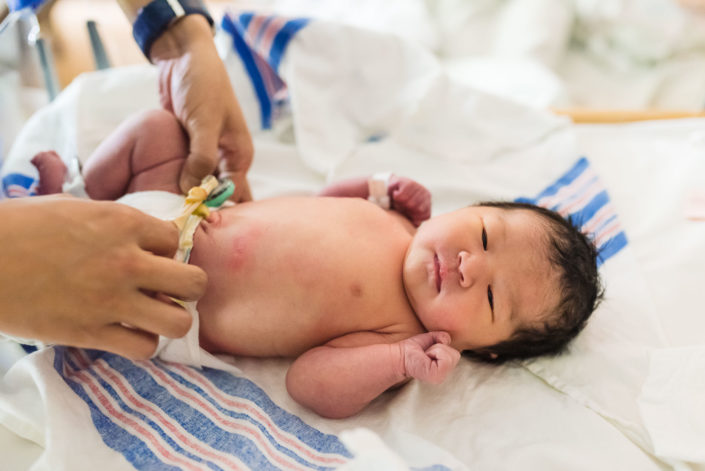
{"x":298,"y":299}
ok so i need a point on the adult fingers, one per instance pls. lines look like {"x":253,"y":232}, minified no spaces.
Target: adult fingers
{"x":236,"y":152}
{"x":164,"y":275}
{"x":157,"y":236}
{"x":202,"y":158}
{"x":242,"y":191}
{"x":242,"y":188}
{"x":165,"y":71}
{"x":126,"y":341}
{"x":158,"y":317}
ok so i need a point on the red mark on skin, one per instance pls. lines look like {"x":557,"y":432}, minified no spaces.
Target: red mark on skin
{"x":243,"y":245}
{"x":240,"y":248}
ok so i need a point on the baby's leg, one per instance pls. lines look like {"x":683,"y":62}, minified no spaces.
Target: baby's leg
{"x":146,"y":152}
{"x":52,"y":172}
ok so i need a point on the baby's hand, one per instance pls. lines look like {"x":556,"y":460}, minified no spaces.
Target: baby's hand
{"x":429,"y":357}
{"x":410,"y":198}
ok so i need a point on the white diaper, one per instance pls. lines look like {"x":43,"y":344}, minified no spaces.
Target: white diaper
{"x":168,"y":206}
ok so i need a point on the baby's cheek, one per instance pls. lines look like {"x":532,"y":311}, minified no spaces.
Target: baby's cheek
{"x":455,"y":319}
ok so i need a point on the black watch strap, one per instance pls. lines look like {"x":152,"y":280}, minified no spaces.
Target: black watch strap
{"x":155,"y":17}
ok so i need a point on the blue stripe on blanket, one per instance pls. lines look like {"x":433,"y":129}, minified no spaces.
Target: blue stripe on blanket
{"x":248,"y":60}
{"x":18,"y":185}
{"x":261,"y":41}
{"x":580,"y":196}
{"x":281,"y":40}
{"x":162,"y":415}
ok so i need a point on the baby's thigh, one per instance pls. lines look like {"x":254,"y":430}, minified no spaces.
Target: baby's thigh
{"x":159,"y":139}
{"x":159,"y":153}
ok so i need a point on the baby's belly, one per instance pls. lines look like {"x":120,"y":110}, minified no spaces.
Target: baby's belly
{"x":289,"y":274}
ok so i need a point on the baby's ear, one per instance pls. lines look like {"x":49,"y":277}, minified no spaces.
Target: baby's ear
{"x":493,"y":356}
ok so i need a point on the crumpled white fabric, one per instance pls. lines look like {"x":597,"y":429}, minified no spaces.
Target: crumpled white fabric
{"x":371,"y":453}
{"x":672,"y":403}
{"x":349,"y":87}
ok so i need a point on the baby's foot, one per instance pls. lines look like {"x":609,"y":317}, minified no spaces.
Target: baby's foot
{"x":52,"y":172}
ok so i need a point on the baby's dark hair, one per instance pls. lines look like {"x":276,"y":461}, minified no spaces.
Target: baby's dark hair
{"x":574,"y":256}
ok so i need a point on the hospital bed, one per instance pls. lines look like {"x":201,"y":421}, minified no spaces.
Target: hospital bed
{"x":628,"y":393}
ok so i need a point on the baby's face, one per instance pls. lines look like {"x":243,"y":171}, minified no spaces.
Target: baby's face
{"x":479,"y":273}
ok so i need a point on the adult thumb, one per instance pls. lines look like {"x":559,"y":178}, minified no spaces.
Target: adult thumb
{"x":202,"y":158}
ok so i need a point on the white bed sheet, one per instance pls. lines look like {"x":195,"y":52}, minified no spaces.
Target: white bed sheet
{"x":552,"y":430}
{"x":650,"y":169}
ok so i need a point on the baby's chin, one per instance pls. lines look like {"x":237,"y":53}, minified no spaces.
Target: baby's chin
{"x":416,"y":306}
{"x":406,"y":274}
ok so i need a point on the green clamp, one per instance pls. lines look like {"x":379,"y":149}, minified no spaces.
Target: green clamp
{"x":220,"y":194}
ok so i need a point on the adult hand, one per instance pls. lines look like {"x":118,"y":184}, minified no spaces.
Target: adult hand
{"x":194,"y":85}
{"x":91,"y":274}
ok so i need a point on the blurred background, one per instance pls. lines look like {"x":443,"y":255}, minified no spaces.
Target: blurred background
{"x":584,"y":56}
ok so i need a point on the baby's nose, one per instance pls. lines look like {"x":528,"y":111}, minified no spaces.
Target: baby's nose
{"x":469,"y":268}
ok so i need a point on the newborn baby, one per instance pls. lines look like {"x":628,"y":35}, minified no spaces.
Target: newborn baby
{"x":361,"y":297}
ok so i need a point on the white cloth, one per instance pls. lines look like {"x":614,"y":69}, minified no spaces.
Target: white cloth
{"x":672,"y":403}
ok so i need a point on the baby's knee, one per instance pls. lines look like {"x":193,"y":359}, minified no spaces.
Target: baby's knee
{"x":159,"y":133}
{"x":158,"y":122}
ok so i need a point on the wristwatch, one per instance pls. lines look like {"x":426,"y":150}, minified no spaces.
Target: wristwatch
{"x":155,"y":17}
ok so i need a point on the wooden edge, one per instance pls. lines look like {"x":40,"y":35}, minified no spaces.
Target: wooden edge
{"x":583,"y":116}
{"x":4,"y":10}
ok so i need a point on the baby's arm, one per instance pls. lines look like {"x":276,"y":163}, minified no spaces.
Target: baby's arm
{"x":407,"y":196}
{"x":146,"y":152}
{"x":337,"y":380}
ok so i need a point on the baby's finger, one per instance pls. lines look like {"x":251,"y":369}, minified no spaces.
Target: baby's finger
{"x":440,"y":337}
{"x":423,"y":341}
{"x":444,"y":354}
{"x":444,"y":359}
